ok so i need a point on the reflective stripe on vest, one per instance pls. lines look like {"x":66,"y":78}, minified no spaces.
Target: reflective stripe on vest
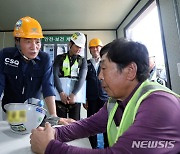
{"x":72,"y":71}
{"x":129,"y":114}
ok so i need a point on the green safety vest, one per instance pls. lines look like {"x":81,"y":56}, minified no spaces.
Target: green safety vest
{"x":129,"y":114}
{"x":72,"y":71}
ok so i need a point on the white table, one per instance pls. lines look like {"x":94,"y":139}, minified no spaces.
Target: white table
{"x":12,"y":143}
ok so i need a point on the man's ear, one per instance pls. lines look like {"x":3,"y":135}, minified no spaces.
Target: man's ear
{"x":17,"y":41}
{"x":131,"y":71}
{"x":70,"y":45}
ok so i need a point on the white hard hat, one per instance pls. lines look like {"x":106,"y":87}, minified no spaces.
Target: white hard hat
{"x":24,"y":117}
{"x":79,"y":39}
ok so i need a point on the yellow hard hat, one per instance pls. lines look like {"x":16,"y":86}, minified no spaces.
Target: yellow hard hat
{"x":95,"y":42}
{"x":28,"y":27}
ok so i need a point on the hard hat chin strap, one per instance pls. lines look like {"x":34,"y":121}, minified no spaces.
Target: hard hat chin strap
{"x":26,"y":58}
{"x":19,"y":49}
{"x":17,"y":40}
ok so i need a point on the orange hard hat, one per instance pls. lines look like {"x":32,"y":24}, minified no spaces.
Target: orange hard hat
{"x":95,"y":42}
{"x":28,"y":27}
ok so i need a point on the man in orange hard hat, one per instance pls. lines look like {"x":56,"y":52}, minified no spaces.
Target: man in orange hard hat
{"x":25,"y":71}
{"x":95,"y":95}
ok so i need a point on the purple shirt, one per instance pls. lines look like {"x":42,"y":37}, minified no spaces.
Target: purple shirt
{"x":156,"y":129}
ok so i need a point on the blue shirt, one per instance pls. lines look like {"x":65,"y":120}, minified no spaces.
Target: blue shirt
{"x":20,"y":79}
{"x":94,"y":88}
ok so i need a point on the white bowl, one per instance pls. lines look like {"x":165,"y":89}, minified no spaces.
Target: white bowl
{"x":24,"y":117}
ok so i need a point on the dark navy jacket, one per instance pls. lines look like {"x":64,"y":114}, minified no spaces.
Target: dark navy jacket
{"x":20,"y":80}
{"x":94,"y":89}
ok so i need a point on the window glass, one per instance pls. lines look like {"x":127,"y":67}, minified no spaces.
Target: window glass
{"x":146,"y":29}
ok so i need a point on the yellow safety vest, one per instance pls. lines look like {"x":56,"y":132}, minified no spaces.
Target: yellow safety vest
{"x":145,"y":89}
{"x":72,"y":71}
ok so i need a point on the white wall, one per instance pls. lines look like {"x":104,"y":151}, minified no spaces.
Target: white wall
{"x":6,"y":39}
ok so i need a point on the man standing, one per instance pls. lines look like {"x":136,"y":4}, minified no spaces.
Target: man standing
{"x":25,"y":71}
{"x":96,"y":96}
{"x":70,"y":65}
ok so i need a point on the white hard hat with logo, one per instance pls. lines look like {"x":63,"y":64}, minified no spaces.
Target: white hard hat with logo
{"x":24,"y":117}
{"x":79,"y":39}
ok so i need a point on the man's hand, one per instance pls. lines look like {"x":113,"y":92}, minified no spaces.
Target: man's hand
{"x":65,"y":121}
{"x":86,"y":105}
{"x":64,"y":98}
{"x":40,"y":138}
{"x":71,"y":98}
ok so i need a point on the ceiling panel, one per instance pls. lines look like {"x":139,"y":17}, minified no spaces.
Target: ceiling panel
{"x":66,"y":14}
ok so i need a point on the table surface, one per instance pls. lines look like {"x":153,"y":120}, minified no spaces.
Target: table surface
{"x":11,"y":143}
